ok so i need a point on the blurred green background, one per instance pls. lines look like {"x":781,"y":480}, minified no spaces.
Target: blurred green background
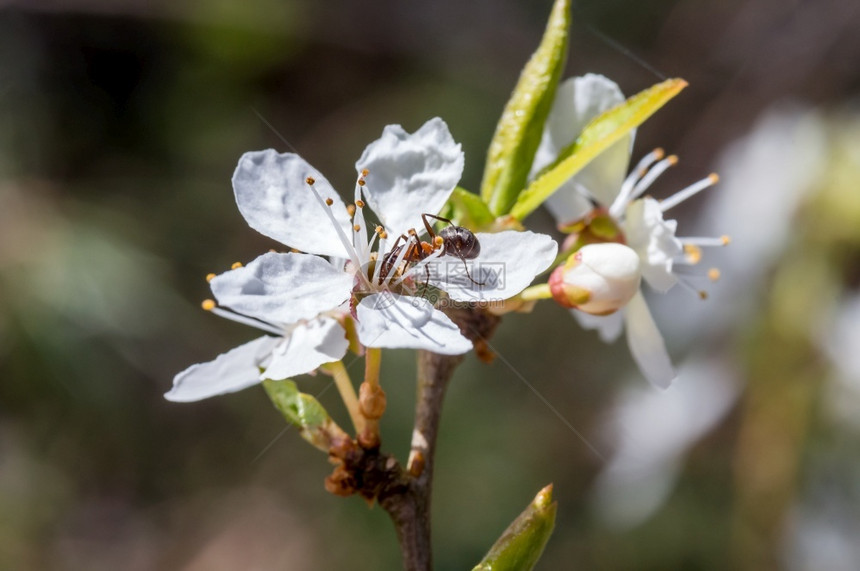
{"x":120,"y":125}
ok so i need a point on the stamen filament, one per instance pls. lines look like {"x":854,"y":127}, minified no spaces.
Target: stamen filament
{"x":616,"y":210}
{"x":706,"y":241}
{"x":397,"y":261}
{"x":646,"y":181}
{"x":701,"y":294}
{"x":380,"y":256}
{"x":350,"y":250}
{"x":359,"y":232}
{"x":244,"y":319}
{"x":686,"y":193}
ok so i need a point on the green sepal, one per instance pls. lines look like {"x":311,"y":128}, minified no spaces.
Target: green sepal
{"x":304,"y":412}
{"x":518,"y":133}
{"x":521,"y":545}
{"x":467,"y":209}
{"x":596,"y":137}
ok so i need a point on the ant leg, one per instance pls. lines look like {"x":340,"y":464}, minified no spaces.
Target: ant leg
{"x":468,"y":275}
{"x":392,"y":259}
{"x":396,"y":243}
{"x":428,"y":226}
{"x":439,"y":218}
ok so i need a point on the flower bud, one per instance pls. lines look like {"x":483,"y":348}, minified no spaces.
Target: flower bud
{"x":598,"y":279}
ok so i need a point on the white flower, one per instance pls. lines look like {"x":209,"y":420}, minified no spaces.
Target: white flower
{"x":301,"y":296}
{"x":604,"y":182}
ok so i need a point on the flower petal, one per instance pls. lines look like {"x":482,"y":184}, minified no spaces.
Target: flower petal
{"x":608,"y":327}
{"x":507,"y":264}
{"x":307,"y":347}
{"x":578,"y":101}
{"x":654,"y":240}
{"x":232,"y":371}
{"x":283,"y":288}
{"x":275,"y":200}
{"x":646,"y":344}
{"x":409,"y":175}
{"x":400,"y":322}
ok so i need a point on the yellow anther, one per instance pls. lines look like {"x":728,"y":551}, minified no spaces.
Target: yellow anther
{"x":350,"y":209}
{"x":361,"y":182}
{"x":356,"y":227}
{"x":364,"y":172}
{"x":726,"y":240}
{"x":378,"y":229}
{"x":359,"y":203}
{"x":310,"y":180}
{"x":210,"y":277}
{"x":236,"y":265}
{"x":703,"y":295}
{"x":438,"y":241}
{"x":383,"y":235}
{"x":659,"y":153}
{"x":693,"y":253}
{"x":208,"y":304}
{"x":673,"y":159}
{"x":715,"y":178}
{"x":714,"y":274}
{"x":329,"y":201}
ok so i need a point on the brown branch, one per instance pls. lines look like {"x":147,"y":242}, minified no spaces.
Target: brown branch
{"x":405,"y":493}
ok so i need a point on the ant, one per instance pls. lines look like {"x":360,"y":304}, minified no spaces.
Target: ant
{"x":454,"y":240}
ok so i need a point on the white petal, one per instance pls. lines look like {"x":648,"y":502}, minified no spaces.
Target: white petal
{"x":230,"y":372}
{"x":569,"y":203}
{"x":654,"y":240}
{"x":275,"y":200}
{"x":283,"y":288}
{"x":608,"y":327}
{"x":578,"y":101}
{"x":646,"y":344}
{"x":307,"y":347}
{"x":400,"y":322}
{"x":410,"y":174}
{"x":507,"y":264}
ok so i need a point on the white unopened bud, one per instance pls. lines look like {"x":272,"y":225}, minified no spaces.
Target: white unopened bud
{"x":599,"y":278}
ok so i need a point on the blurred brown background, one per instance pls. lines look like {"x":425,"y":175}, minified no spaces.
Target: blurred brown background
{"x":120,"y":125}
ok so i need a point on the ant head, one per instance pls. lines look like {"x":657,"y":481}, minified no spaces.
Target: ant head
{"x":460,"y":242}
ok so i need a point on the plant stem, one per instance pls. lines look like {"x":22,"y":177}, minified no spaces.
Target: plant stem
{"x":347,"y":393}
{"x":408,"y":503}
{"x":409,"y":507}
{"x":371,"y":399}
{"x":539,"y":291}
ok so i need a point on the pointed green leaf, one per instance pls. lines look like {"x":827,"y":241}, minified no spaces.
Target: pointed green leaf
{"x":467,"y":209}
{"x":304,"y":412}
{"x":597,"y":136}
{"x":518,"y":133}
{"x":521,"y":545}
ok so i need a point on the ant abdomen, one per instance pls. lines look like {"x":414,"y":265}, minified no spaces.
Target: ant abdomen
{"x":460,"y":242}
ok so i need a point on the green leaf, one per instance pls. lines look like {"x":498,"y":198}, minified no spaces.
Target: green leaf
{"x":521,"y":545}
{"x":596,"y":137}
{"x":467,"y":209}
{"x":518,"y":133}
{"x":304,"y":412}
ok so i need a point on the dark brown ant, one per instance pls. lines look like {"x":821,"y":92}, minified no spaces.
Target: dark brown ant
{"x":454,"y":240}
